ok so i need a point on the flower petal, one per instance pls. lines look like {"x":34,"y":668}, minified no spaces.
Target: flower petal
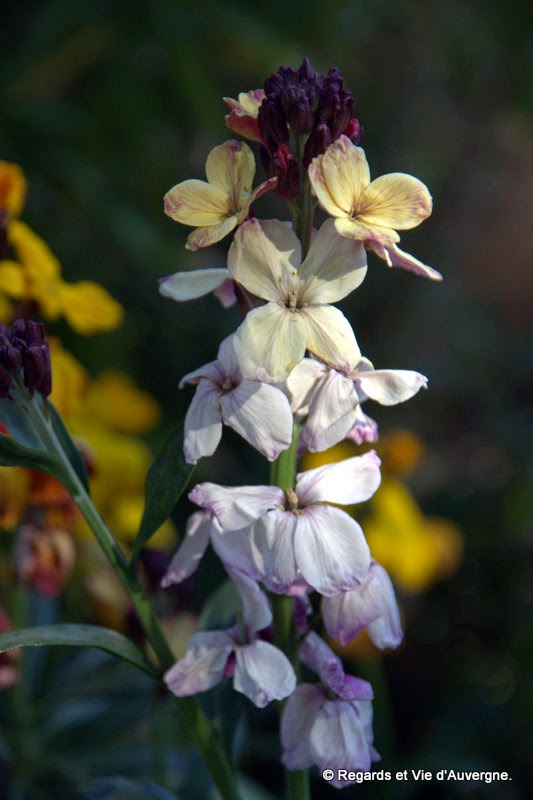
{"x":195,"y":202}
{"x":398,"y":258}
{"x":301,"y":383}
{"x":263,"y":673}
{"x":231,"y":167}
{"x":190,"y":285}
{"x":319,"y":657}
{"x":352,"y":480}
{"x":262,"y":257}
{"x":331,"y":412}
{"x":297,"y":721}
{"x":338,"y":738}
{"x":261,"y":414}
{"x":333,"y":268}
{"x":346,"y":174}
{"x":206,"y":236}
{"x":388,"y":386}
{"x":257,"y":613}
{"x":330,"y":549}
{"x":396,"y":201}
{"x":203,"y":422}
{"x":270,"y":342}
{"x":236,"y":507}
{"x":203,"y":664}
{"x":329,"y":336}
{"x":273,"y":549}
{"x":191,"y":549}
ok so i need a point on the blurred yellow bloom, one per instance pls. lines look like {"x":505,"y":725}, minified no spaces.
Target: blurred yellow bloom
{"x":34,"y":274}
{"x":14,"y":486}
{"x":217,"y":206}
{"x":115,"y":400}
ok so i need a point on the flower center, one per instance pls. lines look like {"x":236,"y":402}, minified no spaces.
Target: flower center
{"x":292,"y":501}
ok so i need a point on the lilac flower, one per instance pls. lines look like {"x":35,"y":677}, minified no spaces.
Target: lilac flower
{"x":331,"y":733}
{"x":372,"y":605}
{"x":258,"y":412}
{"x":330,"y":400}
{"x":296,"y":534}
{"x":189,"y":285}
{"x":259,"y":670}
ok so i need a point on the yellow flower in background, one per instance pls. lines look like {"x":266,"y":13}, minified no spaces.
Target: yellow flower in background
{"x":217,"y":206}
{"x":33,"y":275}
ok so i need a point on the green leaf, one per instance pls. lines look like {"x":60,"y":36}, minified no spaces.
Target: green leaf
{"x":18,"y":423}
{"x":15,"y":454}
{"x":166,"y":481}
{"x":78,"y":636}
{"x":70,"y":449}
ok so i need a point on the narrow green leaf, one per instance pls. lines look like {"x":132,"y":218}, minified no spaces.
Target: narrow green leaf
{"x":78,"y":636}
{"x":166,"y":481}
{"x":15,"y":454}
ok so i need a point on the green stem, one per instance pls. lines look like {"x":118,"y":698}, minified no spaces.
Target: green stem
{"x":297,"y":784}
{"x":192,"y":717}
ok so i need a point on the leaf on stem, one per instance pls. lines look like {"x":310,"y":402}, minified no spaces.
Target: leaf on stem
{"x":78,"y":636}
{"x":166,"y":481}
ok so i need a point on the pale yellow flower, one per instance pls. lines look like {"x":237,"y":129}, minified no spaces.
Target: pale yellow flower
{"x":370,"y":211}
{"x":217,"y":206}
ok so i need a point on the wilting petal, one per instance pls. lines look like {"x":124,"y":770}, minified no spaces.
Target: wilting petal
{"x":331,"y":412}
{"x":353,"y":480}
{"x":236,"y":507}
{"x":195,"y":202}
{"x":263,"y":673}
{"x":365,"y":428}
{"x":203,"y":664}
{"x":191,"y":549}
{"x":333,"y":268}
{"x":330,"y":549}
{"x":203,"y":424}
{"x":231,"y":167}
{"x":273,"y":549}
{"x":396,"y":201}
{"x":388,"y":386}
{"x":297,"y":721}
{"x":398,"y":258}
{"x":262,"y":255}
{"x":270,"y":342}
{"x":319,"y":657}
{"x":338,"y":738}
{"x":329,"y":336}
{"x":261,"y":414}
{"x":371,"y":605}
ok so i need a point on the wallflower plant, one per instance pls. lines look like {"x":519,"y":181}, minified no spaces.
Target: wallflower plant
{"x":289,"y":379}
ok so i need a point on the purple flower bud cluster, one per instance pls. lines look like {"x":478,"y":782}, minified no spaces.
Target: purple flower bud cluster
{"x":310,"y":104}
{"x":25,"y":348}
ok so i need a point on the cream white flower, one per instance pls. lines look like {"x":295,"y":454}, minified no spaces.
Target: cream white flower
{"x":217,"y":206}
{"x":265,"y":258}
{"x":371,"y":211}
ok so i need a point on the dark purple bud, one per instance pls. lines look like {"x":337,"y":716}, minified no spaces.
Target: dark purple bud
{"x":334,"y":79}
{"x":37,"y":369}
{"x":35,"y":333}
{"x":318,"y":142}
{"x":285,"y":168}
{"x":301,"y":118}
{"x":342,"y":117}
{"x":288,"y":98}
{"x":11,"y":357}
{"x":18,"y":329}
{"x":329,"y":104}
{"x":5,"y":381}
{"x":306,"y":71}
{"x":272,"y":124}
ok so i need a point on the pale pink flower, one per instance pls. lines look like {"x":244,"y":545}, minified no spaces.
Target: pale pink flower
{"x":189,"y":285}
{"x":258,"y":412}
{"x":297,"y":534}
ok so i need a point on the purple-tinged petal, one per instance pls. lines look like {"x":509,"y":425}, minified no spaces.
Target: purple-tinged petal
{"x":388,"y":386}
{"x":190,"y":285}
{"x":338,"y":738}
{"x":191,"y":549}
{"x":210,"y":371}
{"x":203,"y":424}
{"x":256,"y":606}
{"x":236,"y":507}
{"x":331,"y":412}
{"x":263,"y":673}
{"x":261,"y":414}
{"x":319,"y":657}
{"x":234,"y":549}
{"x":226,"y":293}
{"x":365,"y":428}
{"x":273,"y":549}
{"x":203,"y":664}
{"x":330,"y":549}
{"x":353,"y":480}
{"x":395,"y":257}
{"x":297,"y":721}
{"x":371,"y":605}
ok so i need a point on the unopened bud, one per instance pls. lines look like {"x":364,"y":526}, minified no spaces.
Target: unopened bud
{"x":285,"y":168}
{"x":318,"y":142}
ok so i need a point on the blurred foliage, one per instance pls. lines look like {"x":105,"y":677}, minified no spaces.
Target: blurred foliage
{"x":107,"y":104}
